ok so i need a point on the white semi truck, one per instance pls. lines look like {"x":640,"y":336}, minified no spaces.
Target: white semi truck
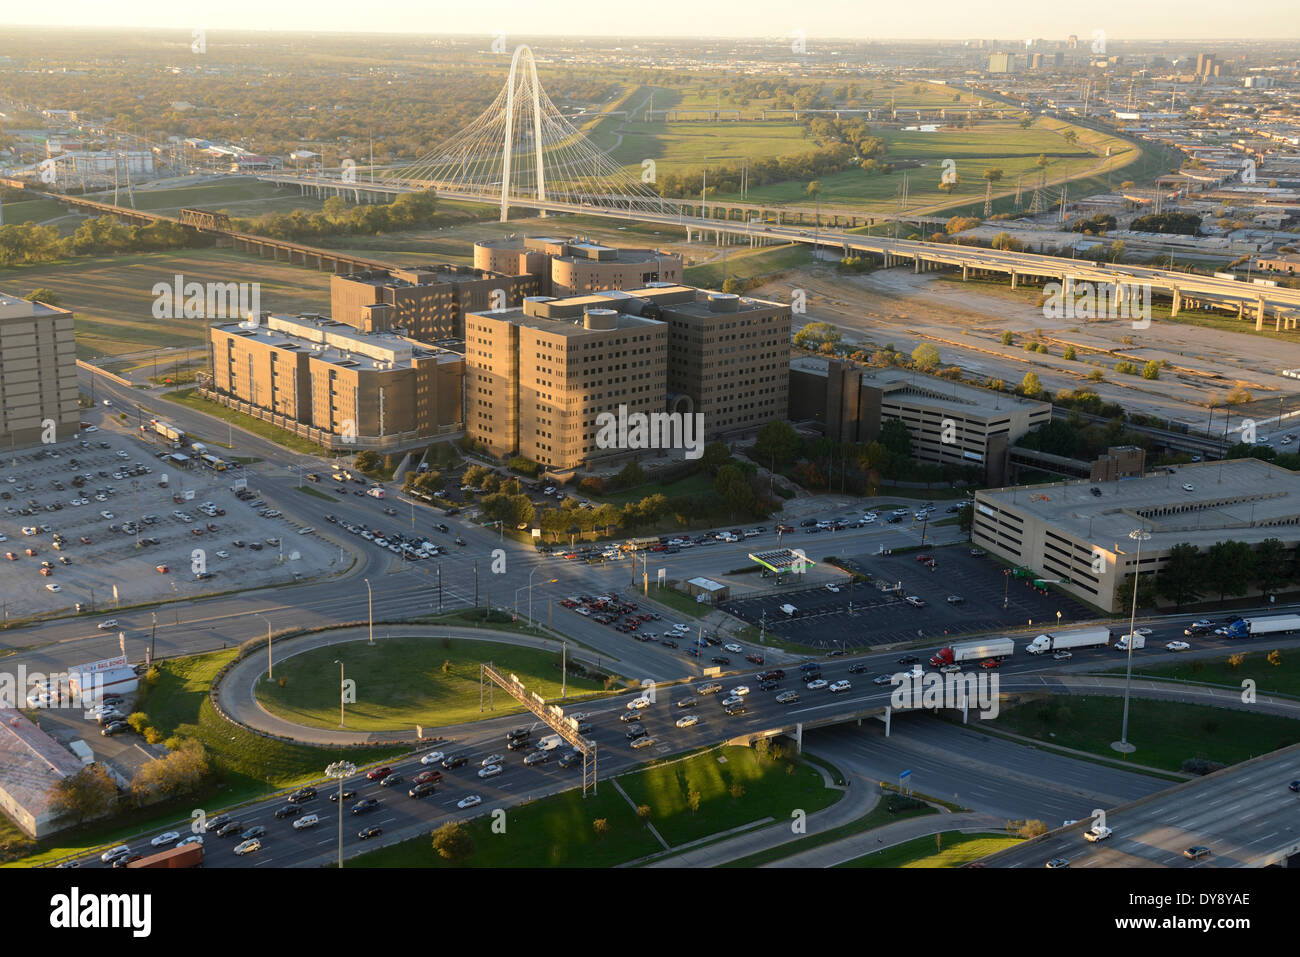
{"x":1067,"y":641}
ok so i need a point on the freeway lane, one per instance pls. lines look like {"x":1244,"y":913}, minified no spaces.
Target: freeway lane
{"x":1244,"y":814}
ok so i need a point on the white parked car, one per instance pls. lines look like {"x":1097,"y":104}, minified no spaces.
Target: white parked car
{"x":833,"y":587}
{"x":470,"y":800}
{"x":734,"y":648}
{"x":54,"y":586}
{"x":687,"y":721}
{"x":433,"y":757}
{"x":1189,"y":487}
{"x":491,"y":771}
{"x":1177,"y":646}
{"x":841,"y":685}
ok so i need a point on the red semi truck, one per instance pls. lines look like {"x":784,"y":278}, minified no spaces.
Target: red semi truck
{"x":186,"y":855}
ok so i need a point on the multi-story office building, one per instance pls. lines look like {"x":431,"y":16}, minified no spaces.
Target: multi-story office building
{"x":728,"y":356}
{"x":38,"y":373}
{"x":371,"y":390}
{"x":572,"y":267}
{"x":1070,"y":533}
{"x":537,"y":377}
{"x":950,"y":423}
{"x":426,"y":303}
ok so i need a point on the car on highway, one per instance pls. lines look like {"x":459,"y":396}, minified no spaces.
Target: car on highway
{"x":192,"y":839}
{"x":1177,"y":646}
{"x":491,"y":771}
{"x":232,"y":829}
{"x":167,"y":838}
{"x":256,"y":830}
{"x":636,"y":704}
{"x":858,"y":668}
{"x":739,"y":691}
{"x":988,"y":664}
{"x":518,"y":744}
{"x":454,"y":761}
{"x":287,"y":810}
{"x":1058,"y":862}
{"x":366,"y":833}
{"x":883,"y":679}
{"x":114,"y":853}
{"x":348,"y":794}
{"x":217,"y":823}
{"x":1098,"y":832}
{"x":366,"y":805}
{"x":378,"y":774}
{"x":422,"y":790}
{"x":811,"y":676}
{"x":687,"y":720}
{"x":733,"y":699}
{"x":427,"y":776}
{"x":720,"y":660}
{"x":950,"y":669}
{"x":644,"y":742}
{"x":1196,"y":852}
{"x":909,"y":660}
{"x":711,"y":688}
{"x":1062,"y":655}
{"x":492,"y":759}
{"x":306,"y":821}
{"x":302,"y":795}
{"x":106,"y":625}
{"x":469,"y":800}
{"x":1294,"y":785}
{"x":392,"y":780}
{"x":248,"y":847}
{"x":817,"y":684}
{"x":537,"y":757}
{"x":841,"y":685}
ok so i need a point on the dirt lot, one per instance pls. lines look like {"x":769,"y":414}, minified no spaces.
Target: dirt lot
{"x":965,"y":321}
{"x":111,"y":570}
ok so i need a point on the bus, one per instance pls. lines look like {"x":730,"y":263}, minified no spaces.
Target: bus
{"x":639,"y":544}
{"x":214,"y":463}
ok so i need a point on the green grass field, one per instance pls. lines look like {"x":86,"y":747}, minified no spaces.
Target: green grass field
{"x":1166,"y":733}
{"x":952,"y":850}
{"x":188,"y":397}
{"x":112,"y":297}
{"x":1283,"y":678}
{"x":558,"y":831}
{"x":402,"y":682}
{"x":749,"y":264}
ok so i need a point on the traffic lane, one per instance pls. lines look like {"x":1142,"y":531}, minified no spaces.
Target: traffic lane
{"x":1239,"y":814}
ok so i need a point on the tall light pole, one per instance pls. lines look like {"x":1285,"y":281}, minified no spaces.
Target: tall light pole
{"x":370,"y":604}
{"x":268,"y":645}
{"x":341,"y":770}
{"x":530,"y":591}
{"x":1139,"y":535}
{"x":339,"y":662}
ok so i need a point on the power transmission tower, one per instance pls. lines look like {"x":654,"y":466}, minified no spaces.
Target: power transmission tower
{"x":1036,"y":202}
{"x":1019,"y":180}
{"x":988,"y":200}
{"x":1061,"y":215}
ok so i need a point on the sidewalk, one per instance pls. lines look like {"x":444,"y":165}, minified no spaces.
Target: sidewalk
{"x":828,"y":855}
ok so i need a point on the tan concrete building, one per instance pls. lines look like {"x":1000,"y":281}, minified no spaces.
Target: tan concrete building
{"x":38,"y":373}
{"x":950,"y":423}
{"x":1065,"y":530}
{"x":537,"y":377}
{"x":426,"y":303}
{"x":573,"y":267}
{"x":380,"y":389}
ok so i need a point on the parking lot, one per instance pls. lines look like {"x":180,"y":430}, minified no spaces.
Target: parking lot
{"x":867,"y":616}
{"x":89,"y":523}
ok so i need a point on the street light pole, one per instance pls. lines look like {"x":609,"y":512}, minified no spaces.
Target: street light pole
{"x":1138,"y":535}
{"x":268,"y":645}
{"x":370,"y":604}
{"x":341,"y":770}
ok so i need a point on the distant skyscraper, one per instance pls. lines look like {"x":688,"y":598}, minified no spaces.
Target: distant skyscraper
{"x":1072,"y":42}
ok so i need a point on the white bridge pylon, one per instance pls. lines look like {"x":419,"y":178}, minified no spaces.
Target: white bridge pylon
{"x":522,"y":148}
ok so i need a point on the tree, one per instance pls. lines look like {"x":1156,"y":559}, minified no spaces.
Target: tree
{"x":43,"y":295}
{"x":643,"y":813}
{"x":1182,"y":580}
{"x":777,"y":443}
{"x":993,"y":174}
{"x":1146,"y":592}
{"x":1070,"y":136}
{"x":716,"y":455}
{"x":1271,"y":571}
{"x":693,"y":800}
{"x":453,"y":843}
{"x":601,"y":826}
{"x":814,"y":189}
{"x":1068,"y":353}
{"x":734,"y":489}
{"x":630,"y":476}
{"x":816,"y":334}
{"x":895,"y":438}
{"x":179,"y":773}
{"x":88,"y":793}
{"x":1231,"y":566}
{"x":966,"y":518}
{"x":925,"y":356}
{"x":1030,"y":385}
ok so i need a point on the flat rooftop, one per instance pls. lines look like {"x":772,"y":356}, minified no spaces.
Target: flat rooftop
{"x":31,"y":762}
{"x":14,"y":307}
{"x":924,"y":390}
{"x":1245,"y":500}
{"x":336,"y":342}
{"x":568,"y":325}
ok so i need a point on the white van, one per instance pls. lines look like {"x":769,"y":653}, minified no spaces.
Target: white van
{"x":550,"y":743}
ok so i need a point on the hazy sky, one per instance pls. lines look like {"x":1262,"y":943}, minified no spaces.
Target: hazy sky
{"x":1007,"y":19}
